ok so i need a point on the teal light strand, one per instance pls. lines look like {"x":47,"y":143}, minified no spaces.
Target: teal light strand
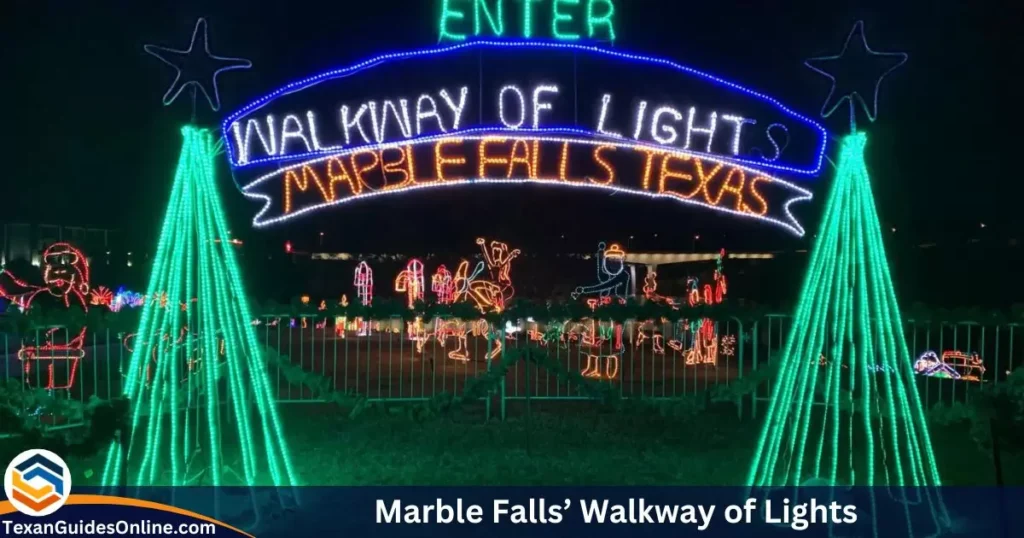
{"x":205,"y":312}
{"x":848,"y":313}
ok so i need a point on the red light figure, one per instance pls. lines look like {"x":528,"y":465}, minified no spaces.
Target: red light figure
{"x":443,"y":285}
{"x":65,"y":277}
{"x":364,"y":283}
{"x":410,"y":281}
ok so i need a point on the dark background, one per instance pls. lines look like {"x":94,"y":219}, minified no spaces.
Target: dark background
{"x":88,"y":143}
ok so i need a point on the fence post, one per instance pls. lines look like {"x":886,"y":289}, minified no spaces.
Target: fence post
{"x":527,"y":365}
{"x":739,"y":358}
{"x":487,"y":400}
{"x":504,"y":378}
{"x":123,"y":437}
{"x":753,"y":341}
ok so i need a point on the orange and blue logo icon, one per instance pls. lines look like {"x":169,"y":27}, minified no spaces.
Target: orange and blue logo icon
{"x":37,"y":482}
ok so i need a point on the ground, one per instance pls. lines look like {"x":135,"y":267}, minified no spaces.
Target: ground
{"x":559,"y":443}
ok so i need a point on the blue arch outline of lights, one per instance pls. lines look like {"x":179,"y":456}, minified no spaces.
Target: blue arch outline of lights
{"x":793,"y":225}
{"x":308,"y":82}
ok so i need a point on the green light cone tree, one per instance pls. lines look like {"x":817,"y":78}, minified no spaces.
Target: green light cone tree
{"x":196,"y":364}
{"x":845,"y":408}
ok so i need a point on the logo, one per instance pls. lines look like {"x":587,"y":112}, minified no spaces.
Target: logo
{"x":37,"y":482}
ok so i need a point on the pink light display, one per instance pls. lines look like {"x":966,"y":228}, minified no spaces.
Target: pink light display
{"x":443,"y":285}
{"x":410,"y":282}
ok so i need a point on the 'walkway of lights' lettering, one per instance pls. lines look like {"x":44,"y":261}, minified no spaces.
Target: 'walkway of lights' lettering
{"x":694,"y":111}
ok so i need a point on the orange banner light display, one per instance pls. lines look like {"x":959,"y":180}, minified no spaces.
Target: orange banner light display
{"x":620,"y":167}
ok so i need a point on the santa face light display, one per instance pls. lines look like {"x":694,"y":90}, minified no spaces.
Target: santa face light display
{"x":66,"y":271}
{"x":66,"y":277}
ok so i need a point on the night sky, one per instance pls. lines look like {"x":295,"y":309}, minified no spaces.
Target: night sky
{"x":90,"y":143}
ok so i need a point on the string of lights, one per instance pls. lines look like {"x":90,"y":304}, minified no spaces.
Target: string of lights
{"x":186,"y":268}
{"x":234,"y":152}
{"x":715,"y":185}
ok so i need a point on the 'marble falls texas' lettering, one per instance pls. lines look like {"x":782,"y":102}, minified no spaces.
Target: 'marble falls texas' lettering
{"x":488,"y":160}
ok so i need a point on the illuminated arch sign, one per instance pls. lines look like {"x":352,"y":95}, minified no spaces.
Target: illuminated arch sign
{"x":541,"y":112}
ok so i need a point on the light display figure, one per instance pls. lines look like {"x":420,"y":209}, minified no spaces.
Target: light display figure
{"x":951,"y":365}
{"x":721,"y":287}
{"x":192,"y":348}
{"x":650,"y":291}
{"x":488,"y":295}
{"x":469,"y":286}
{"x":848,"y":311}
{"x":364,"y":283}
{"x":650,"y":287}
{"x":51,"y":354}
{"x":123,"y":298}
{"x":657,"y":340}
{"x":498,"y":258}
{"x":101,"y":296}
{"x":612,"y":277}
{"x":728,"y":346}
{"x":341,"y":322}
{"x":443,"y":285}
{"x":197,"y":57}
{"x":364,"y":290}
{"x":595,"y":338}
{"x":66,"y":278}
{"x":601,"y":343}
{"x":705,"y":344}
{"x":169,"y":427}
{"x":692,"y":291}
{"x":444,"y":329}
{"x":410,"y":282}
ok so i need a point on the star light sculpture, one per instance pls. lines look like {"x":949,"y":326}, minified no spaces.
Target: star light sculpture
{"x":844,"y":91}
{"x":197,"y":58}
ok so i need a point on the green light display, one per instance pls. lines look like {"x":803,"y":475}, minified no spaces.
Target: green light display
{"x":567,"y":20}
{"x":196,"y":366}
{"x":845,"y":408}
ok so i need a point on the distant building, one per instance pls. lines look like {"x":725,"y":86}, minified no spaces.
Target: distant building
{"x":25,"y":241}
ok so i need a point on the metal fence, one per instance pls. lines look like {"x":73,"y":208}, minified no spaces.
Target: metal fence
{"x":997,"y":350}
{"x":395,"y":360}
